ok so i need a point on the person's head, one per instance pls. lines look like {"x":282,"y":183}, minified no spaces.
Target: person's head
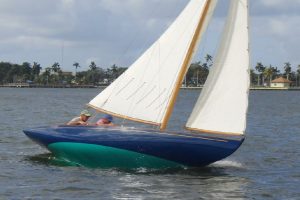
{"x":107,"y":119}
{"x":85,"y":115}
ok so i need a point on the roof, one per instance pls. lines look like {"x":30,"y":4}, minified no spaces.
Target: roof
{"x":281,"y":80}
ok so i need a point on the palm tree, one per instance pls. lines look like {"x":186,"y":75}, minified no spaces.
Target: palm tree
{"x":260,"y":68}
{"x":276,"y":71}
{"x":76,"y":65}
{"x":268,"y":73}
{"x":208,"y":58}
{"x":287,"y":69}
{"x":93,"y":66}
{"x":55,"y":67}
{"x":36,"y":69}
{"x":252,"y":78}
{"x":26,"y":71}
{"x":298,"y":75}
{"x":47,"y":73}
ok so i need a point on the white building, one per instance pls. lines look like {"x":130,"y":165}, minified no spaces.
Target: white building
{"x":280,"y":83}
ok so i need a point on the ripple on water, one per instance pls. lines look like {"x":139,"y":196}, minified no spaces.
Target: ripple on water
{"x":265,"y":167}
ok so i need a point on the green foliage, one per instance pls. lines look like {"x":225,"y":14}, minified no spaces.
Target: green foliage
{"x":265,"y":74}
{"x":196,"y":75}
{"x":76,"y":65}
{"x":198,"y":72}
{"x":287,"y":69}
{"x":14,"y":72}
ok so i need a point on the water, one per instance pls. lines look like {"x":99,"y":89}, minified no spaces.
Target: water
{"x":267,"y":166}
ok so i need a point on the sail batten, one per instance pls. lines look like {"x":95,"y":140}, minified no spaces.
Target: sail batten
{"x":156,"y":71}
{"x":223,"y":103}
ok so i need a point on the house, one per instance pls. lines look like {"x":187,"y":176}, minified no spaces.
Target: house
{"x":280,"y":83}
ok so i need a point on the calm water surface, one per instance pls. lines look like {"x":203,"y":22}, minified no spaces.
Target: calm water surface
{"x":267,"y":166}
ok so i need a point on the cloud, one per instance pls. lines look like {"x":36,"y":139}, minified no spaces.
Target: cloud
{"x":275,"y":7}
{"x":274,"y":28}
{"x":118,"y":31}
{"x":280,"y":3}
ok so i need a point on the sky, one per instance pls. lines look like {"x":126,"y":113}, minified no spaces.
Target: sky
{"x":119,"y":31}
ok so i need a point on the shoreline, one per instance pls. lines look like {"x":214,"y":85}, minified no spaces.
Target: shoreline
{"x":252,"y":88}
{"x":25,"y":85}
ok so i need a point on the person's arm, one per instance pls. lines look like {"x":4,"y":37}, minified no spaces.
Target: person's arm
{"x":82,"y":123}
{"x":74,"y":122}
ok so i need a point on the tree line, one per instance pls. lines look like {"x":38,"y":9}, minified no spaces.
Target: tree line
{"x":33,"y":73}
{"x":261,"y":75}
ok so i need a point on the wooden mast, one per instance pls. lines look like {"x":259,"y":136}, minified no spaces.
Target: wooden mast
{"x":185,"y":67}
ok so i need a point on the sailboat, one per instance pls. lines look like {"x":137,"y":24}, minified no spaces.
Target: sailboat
{"x":147,"y":91}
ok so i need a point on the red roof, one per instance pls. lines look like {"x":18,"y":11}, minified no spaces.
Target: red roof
{"x":281,"y":80}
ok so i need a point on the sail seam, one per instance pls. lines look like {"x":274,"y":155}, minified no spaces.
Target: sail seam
{"x":157,"y":98}
{"x":144,"y":97}
{"x":136,"y":91}
{"x":129,"y":82}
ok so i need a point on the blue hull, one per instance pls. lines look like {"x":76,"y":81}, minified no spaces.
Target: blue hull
{"x":185,"y":149}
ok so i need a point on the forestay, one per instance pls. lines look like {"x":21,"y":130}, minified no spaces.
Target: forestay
{"x":222,"y":105}
{"x":143,"y":92}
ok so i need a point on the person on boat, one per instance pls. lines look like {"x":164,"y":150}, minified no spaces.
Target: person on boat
{"x":81,"y":120}
{"x":107,"y":120}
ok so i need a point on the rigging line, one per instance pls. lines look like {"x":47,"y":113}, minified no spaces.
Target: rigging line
{"x":228,"y":32}
{"x":249,"y":61}
{"x":164,"y":109}
{"x":94,"y":115}
{"x":204,"y":42}
{"x":203,"y":46}
{"x":219,"y":38}
{"x":187,"y":60}
{"x":244,"y":4}
{"x":183,"y":32}
{"x":146,"y":68}
{"x":174,"y":45}
{"x":181,"y":35}
{"x":62,"y":53}
{"x":148,"y":63}
{"x":220,"y":59}
{"x":95,"y":112}
{"x":159,"y":88}
{"x":118,"y":82}
{"x":216,"y":67}
{"x":134,"y":39}
{"x":159,"y":68}
{"x":115,"y":86}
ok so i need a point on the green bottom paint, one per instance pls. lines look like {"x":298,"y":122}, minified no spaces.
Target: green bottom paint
{"x":90,"y":155}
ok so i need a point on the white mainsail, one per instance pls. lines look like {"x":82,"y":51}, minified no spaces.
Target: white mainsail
{"x":223,"y":103}
{"x":143,"y":92}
